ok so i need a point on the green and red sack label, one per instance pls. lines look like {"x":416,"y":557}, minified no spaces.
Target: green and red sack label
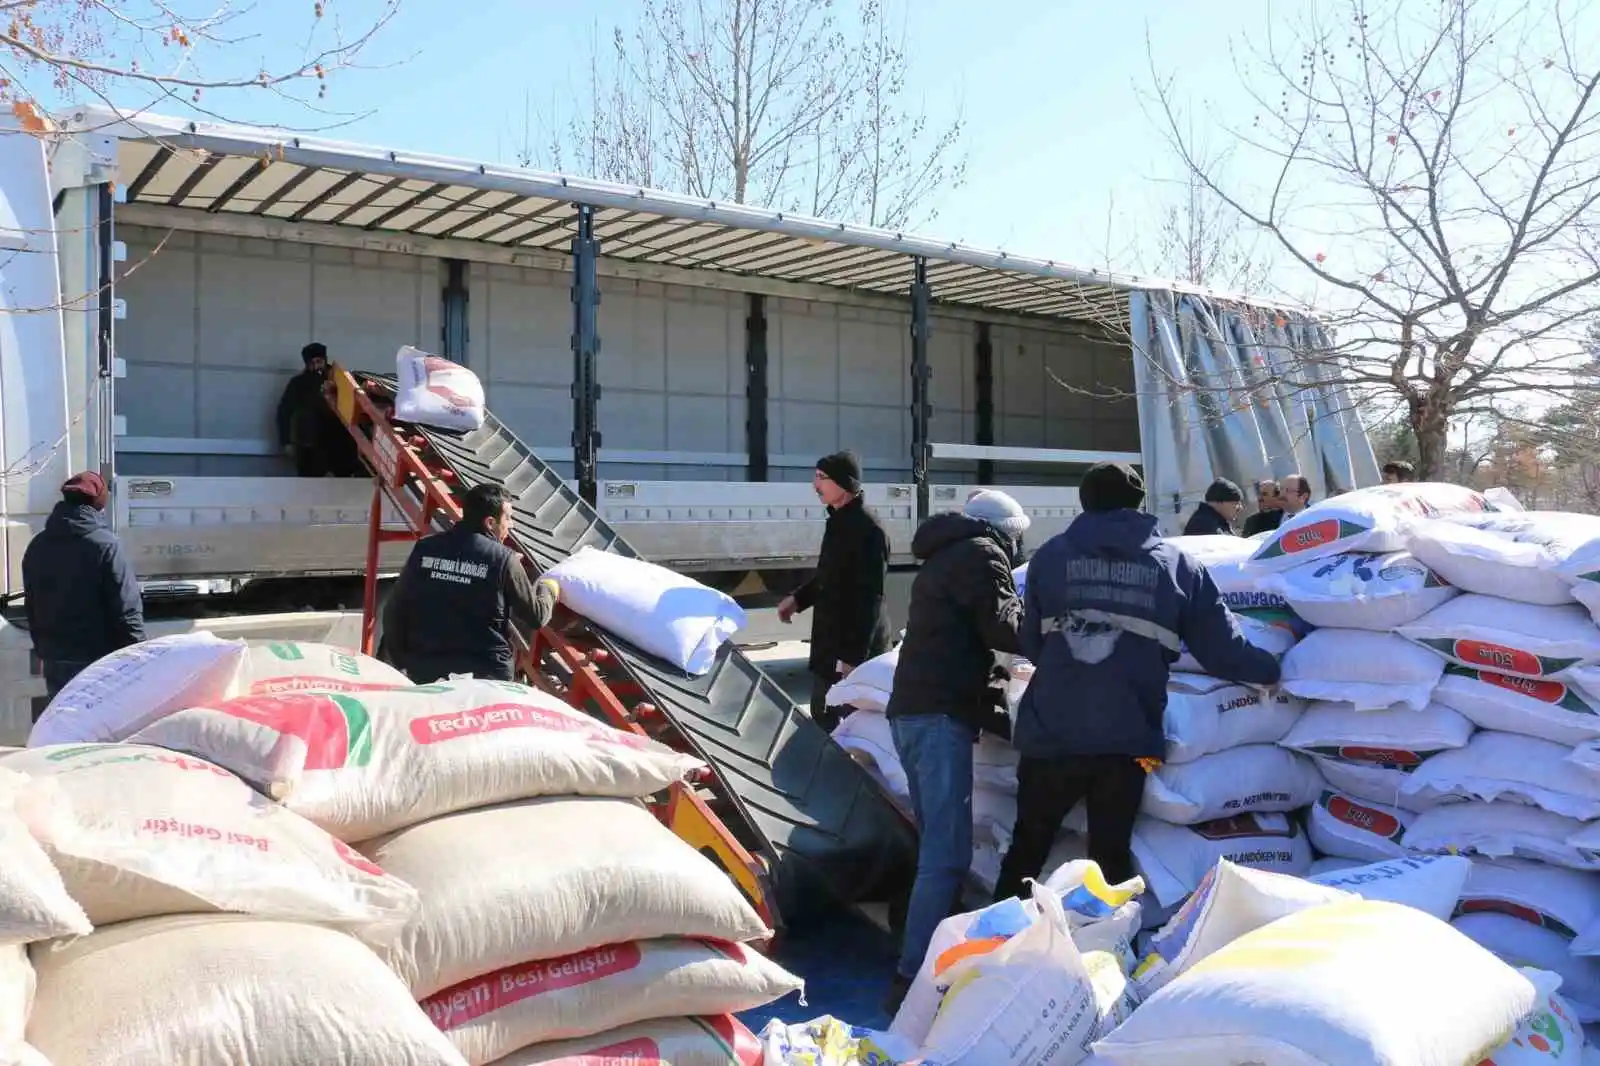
{"x":1240,"y":826}
{"x":1368,"y":819}
{"x":1385,"y":758}
{"x":336,"y":729}
{"x":1498,"y":657}
{"x":1311,"y":537}
{"x":1554,"y":693}
{"x":1531,"y":915}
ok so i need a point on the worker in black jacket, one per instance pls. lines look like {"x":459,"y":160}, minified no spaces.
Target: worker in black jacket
{"x":964,"y":609}
{"x":450,"y":611}
{"x":308,"y":430}
{"x":79,"y":591}
{"x":1220,"y":510}
{"x":849,"y":622}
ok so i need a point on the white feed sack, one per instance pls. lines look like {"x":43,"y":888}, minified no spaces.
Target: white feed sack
{"x":1349,"y":828}
{"x":1550,"y":1035}
{"x":1350,"y":983}
{"x":1563,"y":901}
{"x":666,"y":614}
{"x":1205,"y":715}
{"x":1560,"y":710}
{"x":1517,"y":556}
{"x":1376,"y":520}
{"x":1522,"y":943}
{"x":1372,"y":754}
{"x":867,"y":737}
{"x":1173,"y":859}
{"x":17,"y":988}
{"x":1487,"y":633}
{"x":510,"y":884}
{"x":1505,"y":766}
{"x":1371,"y":671}
{"x":226,"y":989}
{"x":1260,"y":778}
{"x":1353,"y":590}
{"x":436,"y":392}
{"x":1502,"y":830}
{"x":1247,"y":589}
{"x":272,"y":667}
{"x":127,"y":690}
{"x":1267,"y":636}
{"x":869,"y":685}
{"x":362,"y":764}
{"x":149,"y":832}
{"x":1431,"y":884}
{"x":715,"y":1041}
{"x":34,"y":903}
{"x":601,"y":989}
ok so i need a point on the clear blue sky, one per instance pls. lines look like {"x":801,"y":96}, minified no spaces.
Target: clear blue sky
{"x":1055,"y":128}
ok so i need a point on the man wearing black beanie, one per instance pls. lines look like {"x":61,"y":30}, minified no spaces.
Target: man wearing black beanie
{"x":1107,"y":607}
{"x":849,"y":621}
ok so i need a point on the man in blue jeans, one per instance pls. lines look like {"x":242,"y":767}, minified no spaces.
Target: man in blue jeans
{"x":963,"y":609}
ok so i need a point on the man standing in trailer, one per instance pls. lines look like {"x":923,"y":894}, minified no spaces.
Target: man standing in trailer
{"x":451,"y":609}
{"x":308,"y":430}
{"x":79,"y":592}
{"x":849,"y":621}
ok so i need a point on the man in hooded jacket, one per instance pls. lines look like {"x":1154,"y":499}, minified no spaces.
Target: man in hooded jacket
{"x":79,"y":593}
{"x":308,"y":430}
{"x":1107,"y":608}
{"x":963,"y":609}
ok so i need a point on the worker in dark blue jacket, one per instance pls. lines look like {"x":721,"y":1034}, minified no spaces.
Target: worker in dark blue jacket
{"x":79,"y":592}
{"x":1107,"y":607}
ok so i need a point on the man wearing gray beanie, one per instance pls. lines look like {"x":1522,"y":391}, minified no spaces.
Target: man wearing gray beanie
{"x":963,"y":609}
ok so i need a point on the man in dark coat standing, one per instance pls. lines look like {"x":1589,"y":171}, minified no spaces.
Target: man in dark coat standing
{"x":1217,"y":514}
{"x":79,"y":592}
{"x":308,"y":430}
{"x":964,"y":609}
{"x":849,"y":621}
{"x":1108,"y":605}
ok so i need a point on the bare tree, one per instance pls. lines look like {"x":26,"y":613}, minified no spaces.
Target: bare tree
{"x":1434,"y":173}
{"x":771,"y":102}
{"x":138,"y":55}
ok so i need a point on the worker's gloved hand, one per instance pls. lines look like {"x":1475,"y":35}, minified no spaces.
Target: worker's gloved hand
{"x":1149,"y":765}
{"x":553,"y":585}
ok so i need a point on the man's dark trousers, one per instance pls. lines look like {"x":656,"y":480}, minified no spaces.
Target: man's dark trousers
{"x":1048,"y":789}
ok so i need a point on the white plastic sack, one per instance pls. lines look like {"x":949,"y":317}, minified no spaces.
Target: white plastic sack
{"x":148,"y":832}
{"x":1205,"y":715}
{"x":1550,"y":1035}
{"x":827,"y":1041}
{"x":668,"y":615}
{"x":1246,"y":589}
{"x":1173,"y":859}
{"x":122,"y":693}
{"x":721,"y":1040}
{"x":1522,"y":943}
{"x":1516,"y":556}
{"x":1336,"y":985}
{"x":1267,"y":636}
{"x":1353,"y":590}
{"x":1255,"y":778}
{"x":17,"y":987}
{"x":1345,"y":827}
{"x":1371,"y":671}
{"x":1563,"y":901}
{"x":869,"y":685}
{"x":273,"y":667}
{"x":1376,"y":519}
{"x":1586,"y":757}
{"x":1429,"y":883}
{"x":1019,"y":577}
{"x":1030,"y":1002}
{"x":1506,"y":766}
{"x":363,"y":764}
{"x":226,"y":989}
{"x":1558,"y":710}
{"x":1585,"y":841}
{"x":1230,"y":902}
{"x":34,"y":903}
{"x":1372,"y":754}
{"x":1486,"y":633}
{"x":1502,"y":830}
{"x":866,"y":736}
{"x":436,"y":392}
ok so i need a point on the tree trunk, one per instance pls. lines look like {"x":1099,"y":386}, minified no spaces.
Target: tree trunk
{"x":1430,"y":424}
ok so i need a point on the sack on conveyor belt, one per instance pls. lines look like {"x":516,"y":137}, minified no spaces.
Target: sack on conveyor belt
{"x":1338,"y":985}
{"x":601,"y":989}
{"x":1373,"y":754}
{"x":144,"y":831}
{"x":721,"y":1040}
{"x":1372,"y":671}
{"x":869,"y":685}
{"x":1518,"y":556}
{"x":431,"y":391}
{"x":272,"y":667}
{"x":1255,"y":778}
{"x":1522,"y":943}
{"x":1346,"y":827}
{"x":122,"y":693}
{"x":1174,"y":858}
{"x":1205,"y":715}
{"x":1431,"y":884}
{"x":34,"y":903}
{"x":542,"y":878}
{"x":363,"y":764}
{"x":666,"y":614}
{"x":1376,"y":519}
{"x":226,"y":989}
{"x":1354,"y":590}
{"x":1486,"y":633}
{"x":1496,"y":766}
{"x":1563,"y":710}
{"x":1502,"y":830}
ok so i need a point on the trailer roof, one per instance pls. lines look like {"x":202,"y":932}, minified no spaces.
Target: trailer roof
{"x":238,"y":170}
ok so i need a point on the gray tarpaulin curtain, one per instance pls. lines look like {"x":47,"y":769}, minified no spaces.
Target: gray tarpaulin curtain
{"x":1226,"y":390}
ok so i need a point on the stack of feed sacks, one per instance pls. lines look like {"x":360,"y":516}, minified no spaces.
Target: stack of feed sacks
{"x":553,"y":905}
{"x":212,"y":907}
